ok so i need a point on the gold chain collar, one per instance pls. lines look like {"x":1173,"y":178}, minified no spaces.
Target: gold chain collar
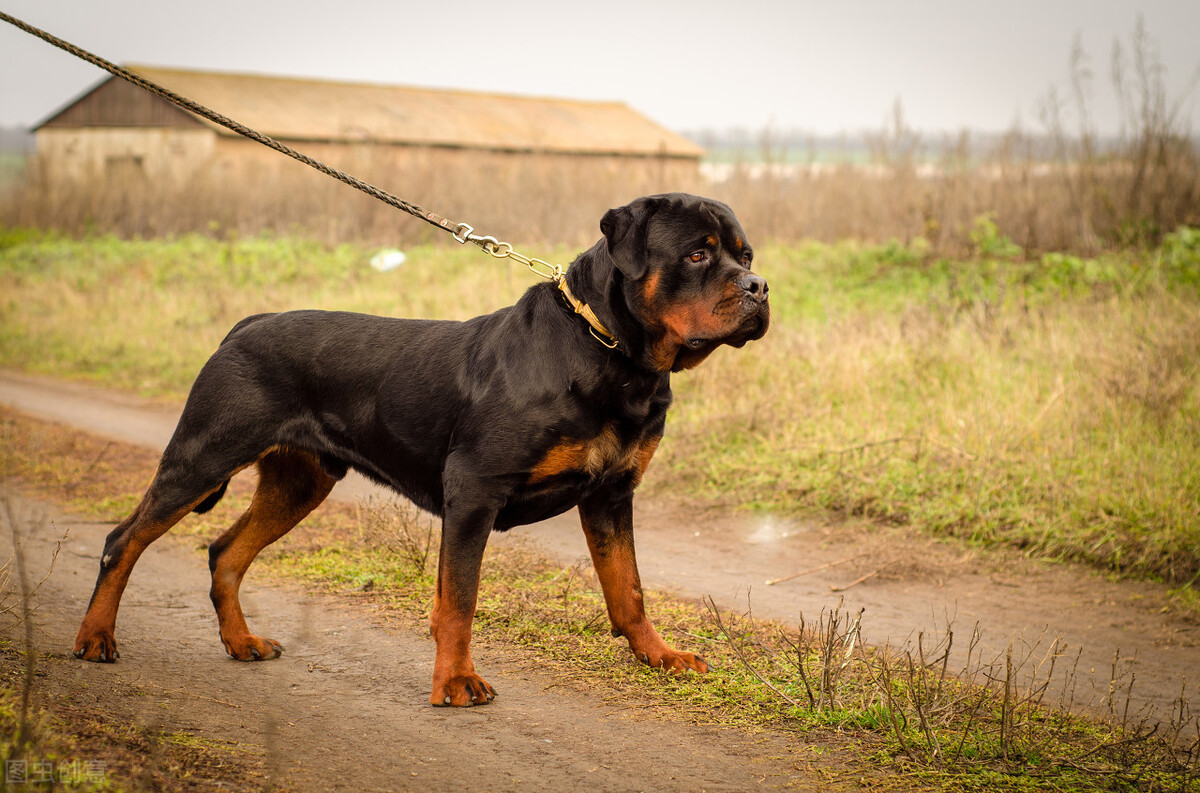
{"x":551,"y":272}
{"x":596,"y":327}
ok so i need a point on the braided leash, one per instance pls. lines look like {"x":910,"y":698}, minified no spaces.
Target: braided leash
{"x":462,"y":232}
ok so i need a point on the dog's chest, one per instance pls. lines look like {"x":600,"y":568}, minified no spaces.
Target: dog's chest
{"x":602,"y":456}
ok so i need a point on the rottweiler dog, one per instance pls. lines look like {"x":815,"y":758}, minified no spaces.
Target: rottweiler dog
{"x":506,"y":419}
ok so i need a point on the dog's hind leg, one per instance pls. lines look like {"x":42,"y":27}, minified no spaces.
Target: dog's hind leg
{"x":162,"y":507}
{"x":291,"y":484}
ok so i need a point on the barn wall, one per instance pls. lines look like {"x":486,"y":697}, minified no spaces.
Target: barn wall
{"x":116,"y":103}
{"x":157,"y":181}
{"x":392,"y":166}
{"x":123,"y":155}
{"x":173,"y":154}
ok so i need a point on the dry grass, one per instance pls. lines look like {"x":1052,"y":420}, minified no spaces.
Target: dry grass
{"x":1068,"y":204}
{"x":980,"y":722}
{"x":522,"y":198}
{"x":1000,"y":403}
{"x":1041,"y":205}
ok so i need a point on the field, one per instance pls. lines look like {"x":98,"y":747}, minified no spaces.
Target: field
{"x":1048,"y":403}
{"x":982,"y":353}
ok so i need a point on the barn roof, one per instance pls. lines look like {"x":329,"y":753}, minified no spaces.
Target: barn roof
{"x":321,"y":110}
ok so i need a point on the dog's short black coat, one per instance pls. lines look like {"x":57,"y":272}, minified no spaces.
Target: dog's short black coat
{"x":499,"y":421}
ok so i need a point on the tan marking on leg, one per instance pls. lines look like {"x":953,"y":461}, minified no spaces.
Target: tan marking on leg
{"x":291,"y":485}
{"x":95,"y":640}
{"x":455,"y":681}
{"x":616,"y":566}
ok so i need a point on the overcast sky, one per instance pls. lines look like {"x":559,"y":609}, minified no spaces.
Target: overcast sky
{"x":821,"y":67}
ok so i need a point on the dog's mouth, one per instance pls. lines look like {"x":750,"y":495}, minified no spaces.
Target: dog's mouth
{"x":757,"y":317}
{"x":752,"y":328}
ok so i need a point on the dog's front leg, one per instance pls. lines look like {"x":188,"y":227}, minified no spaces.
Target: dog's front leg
{"x":607,"y":520}
{"x":465,"y":532}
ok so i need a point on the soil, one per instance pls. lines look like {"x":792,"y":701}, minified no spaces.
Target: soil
{"x":345,"y":707}
{"x":339,"y":711}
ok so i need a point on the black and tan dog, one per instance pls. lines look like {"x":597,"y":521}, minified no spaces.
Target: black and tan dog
{"x":495,"y":422}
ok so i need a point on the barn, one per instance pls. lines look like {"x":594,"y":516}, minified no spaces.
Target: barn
{"x":455,"y":148}
{"x":117,"y":129}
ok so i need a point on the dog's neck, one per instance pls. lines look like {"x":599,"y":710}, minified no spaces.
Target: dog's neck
{"x":593,"y":278}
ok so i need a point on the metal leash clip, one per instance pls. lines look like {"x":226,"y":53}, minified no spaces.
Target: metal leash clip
{"x":465,"y":233}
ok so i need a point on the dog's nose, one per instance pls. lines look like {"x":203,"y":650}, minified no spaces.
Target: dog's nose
{"x":754,"y":285}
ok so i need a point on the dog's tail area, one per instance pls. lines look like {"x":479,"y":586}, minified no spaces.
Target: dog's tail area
{"x":250,"y":320}
{"x":211,"y":501}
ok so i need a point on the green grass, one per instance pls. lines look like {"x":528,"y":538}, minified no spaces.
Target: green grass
{"x":145,"y":314}
{"x":1049,"y":404}
{"x":46,"y":755}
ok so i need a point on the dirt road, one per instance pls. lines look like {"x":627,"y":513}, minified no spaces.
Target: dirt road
{"x":343,"y":708}
{"x":911,"y":583}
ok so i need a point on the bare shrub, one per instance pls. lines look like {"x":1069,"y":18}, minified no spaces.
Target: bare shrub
{"x":402,"y":530}
{"x":1011,"y":714}
{"x":1065,"y":188}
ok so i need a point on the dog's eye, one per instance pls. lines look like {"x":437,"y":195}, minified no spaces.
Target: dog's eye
{"x":747,"y":257}
{"x":697,"y":257}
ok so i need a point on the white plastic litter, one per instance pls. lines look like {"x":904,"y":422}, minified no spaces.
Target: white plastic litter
{"x":388,"y":259}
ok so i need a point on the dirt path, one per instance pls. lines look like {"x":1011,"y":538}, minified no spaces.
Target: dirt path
{"x":912,"y":583}
{"x":343,"y":709}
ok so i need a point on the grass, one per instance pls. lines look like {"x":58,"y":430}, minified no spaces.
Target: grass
{"x":1047,"y":403}
{"x":73,"y":748}
{"x":157,"y":308}
{"x":1051,"y":405}
{"x":895,"y":718}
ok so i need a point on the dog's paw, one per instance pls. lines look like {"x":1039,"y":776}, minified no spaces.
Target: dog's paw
{"x":673,"y":660}
{"x":462,"y":691}
{"x":100,"y":646}
{"x":249,"y":647}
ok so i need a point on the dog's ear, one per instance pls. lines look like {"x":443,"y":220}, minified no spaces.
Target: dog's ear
{"x":624,"y":230}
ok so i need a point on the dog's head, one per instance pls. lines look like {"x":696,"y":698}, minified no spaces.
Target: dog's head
{"x":678,"y":280}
